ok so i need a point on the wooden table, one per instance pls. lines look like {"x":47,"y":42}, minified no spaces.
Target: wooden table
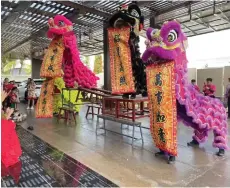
{"x":119,"y":107}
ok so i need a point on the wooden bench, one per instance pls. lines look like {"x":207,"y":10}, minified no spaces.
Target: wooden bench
{"x":123,"y":122}
{"x":91,"y":108}
{"x":67,"y":114}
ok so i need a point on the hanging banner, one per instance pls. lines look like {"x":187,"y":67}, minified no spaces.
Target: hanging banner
{"x":44,"y":106}
{"x":120,"y":61}
{"x":52,"y":62}
{"x":162,"y":106}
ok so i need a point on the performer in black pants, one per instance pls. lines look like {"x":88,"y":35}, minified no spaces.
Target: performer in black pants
{"x":229,"y":106}
{"x":227,"y":95}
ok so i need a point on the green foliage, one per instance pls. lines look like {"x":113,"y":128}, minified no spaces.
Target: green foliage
{"x":22,"y":63}
{"x":86,"y":60}
{"x":4,"y":61}
{"x":8,"y":66}
{"x":27,"y":68}
{"x":98,"y":64}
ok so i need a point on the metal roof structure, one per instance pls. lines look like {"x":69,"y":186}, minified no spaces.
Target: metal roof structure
{"x":24,"y":23}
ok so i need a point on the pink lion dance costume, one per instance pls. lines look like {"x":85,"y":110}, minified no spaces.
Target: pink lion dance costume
{"x":62,"y":59}
{"x":200,"y":112}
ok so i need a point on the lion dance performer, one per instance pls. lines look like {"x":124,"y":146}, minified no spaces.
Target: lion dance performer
{"x":172,"y":98}
{"x":127,"y":69}
{"x":61,"y":60}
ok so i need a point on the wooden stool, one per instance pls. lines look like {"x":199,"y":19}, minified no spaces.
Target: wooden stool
{"x":92,"y":106}
{"x":67,"y":114}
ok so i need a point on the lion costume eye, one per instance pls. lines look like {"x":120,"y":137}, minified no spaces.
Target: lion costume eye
{"x":135,"y":13}
{"x":172,"y":36}
{"x":153,"y":33}
{"x":61,"y":23}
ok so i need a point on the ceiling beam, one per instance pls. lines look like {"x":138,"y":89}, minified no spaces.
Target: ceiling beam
{"x":41,"y":32}
{"x":181,"y":5}
{"x":85,"y":9}
{"x":203,"y":23}
{"x":203,"y":17}
{"x":186,"y":27}
{"x":222,"y":15}
{"x":15,"y":13}
{"x":69,"y":16}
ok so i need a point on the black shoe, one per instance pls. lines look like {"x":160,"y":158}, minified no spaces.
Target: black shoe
{"x":125,"y":96}
{"x":30,"y":128}
{"x":133,"y":96}
{"x":171,"y":159}
{"x":220,"y":153}
{"x":160,"y":153}
{"x":193,"y":143}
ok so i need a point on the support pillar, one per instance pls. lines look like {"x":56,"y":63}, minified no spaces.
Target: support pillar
{"x":36,"y":66}
{"x":153,"y":22}
{"x":107,"y":74}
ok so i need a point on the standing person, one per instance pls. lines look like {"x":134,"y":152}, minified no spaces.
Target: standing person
{"x":31,"y":86}
{"x":13,"y":83}
{"x":7,"y":86}
{"x":14,"y":98}
{"x":209,"y":88}
{"x":193,"y":81}
{"x":227,"y":96}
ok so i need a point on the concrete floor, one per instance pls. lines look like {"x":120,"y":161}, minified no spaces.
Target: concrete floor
{"x":113,"y":157}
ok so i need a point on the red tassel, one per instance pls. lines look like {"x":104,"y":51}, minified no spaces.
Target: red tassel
{"x":141,"y":27}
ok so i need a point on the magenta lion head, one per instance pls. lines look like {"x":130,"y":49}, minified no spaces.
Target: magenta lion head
{"x":164,"y":44}
{"x":59,"y":25}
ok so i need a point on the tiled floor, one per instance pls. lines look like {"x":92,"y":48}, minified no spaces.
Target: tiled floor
{"x":45,"y":166}
{"x":113,"y":157}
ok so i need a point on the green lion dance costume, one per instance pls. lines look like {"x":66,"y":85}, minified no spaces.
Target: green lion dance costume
{"x":59,"y":84}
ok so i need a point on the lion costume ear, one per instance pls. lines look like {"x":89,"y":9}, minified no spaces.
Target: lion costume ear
{"x":134,"y":10}
{"x":121,"y":16}
{"x":114,"y":18}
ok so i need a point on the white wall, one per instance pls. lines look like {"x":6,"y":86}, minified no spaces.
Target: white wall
{"x":217,"y":74}
{"x":192,"y":74}
{"x":211,"y":49}
{"x":226,"y":76}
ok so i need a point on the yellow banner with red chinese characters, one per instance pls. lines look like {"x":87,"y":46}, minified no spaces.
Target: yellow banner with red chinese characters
{"x":162,"y":106}
{"x":52,"y":62}
{"x":44,"y":106}
{"x":120,"y":61}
